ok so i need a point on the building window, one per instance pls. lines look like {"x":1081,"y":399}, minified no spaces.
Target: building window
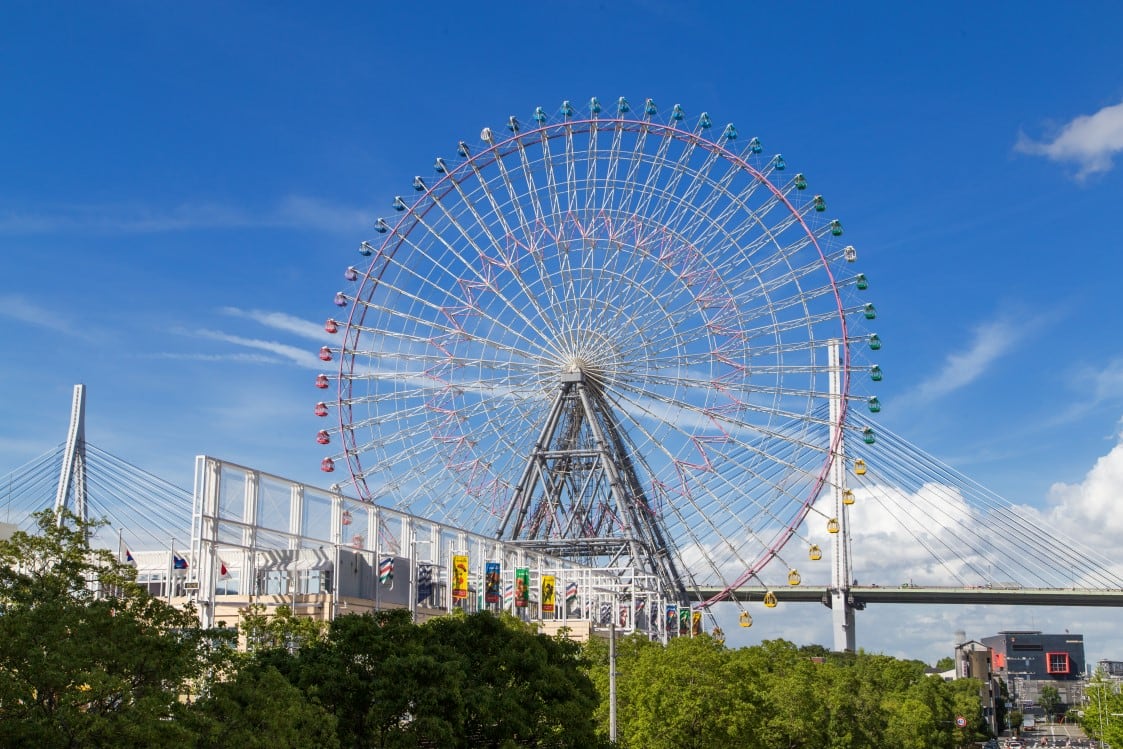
{"x":1056,"y":663}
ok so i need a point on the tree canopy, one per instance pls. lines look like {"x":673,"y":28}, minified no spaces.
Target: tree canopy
{"x":89,"y":659}
{"x":696,"y":693}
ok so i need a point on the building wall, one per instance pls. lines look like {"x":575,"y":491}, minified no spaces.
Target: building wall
{"x":1111,"y":668}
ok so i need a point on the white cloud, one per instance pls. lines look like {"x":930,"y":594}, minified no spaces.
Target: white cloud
{"x":1089,"y":140}
{"x":1089,"y":510}
{"x":992,"y":341}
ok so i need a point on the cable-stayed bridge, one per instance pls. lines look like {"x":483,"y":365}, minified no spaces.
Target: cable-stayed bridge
{"x":916,"y":531}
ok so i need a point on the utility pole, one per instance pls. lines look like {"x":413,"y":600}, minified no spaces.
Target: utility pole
{"x":842,"y":611}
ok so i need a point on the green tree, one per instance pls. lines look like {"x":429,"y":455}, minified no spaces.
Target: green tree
{"x":1101,"y":701}
{"x":282,"y":629}
{"x":258,"y":709}
{"x":373,"y":673}
{"x":947,"y":663}
{"x":87,"y":658}
{"x":681,"y":696}
{"x":516,"y":687}
{"x":1050,"y":700}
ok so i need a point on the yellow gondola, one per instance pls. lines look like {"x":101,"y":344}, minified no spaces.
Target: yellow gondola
{"x":770,"y":600}
{"x":746,"y":619}
{"x":793,"y":577}
{"x":832,"y":525}
{"x":815,"y":553}
{"x":848,"y":497}
{"x":860,"y":467}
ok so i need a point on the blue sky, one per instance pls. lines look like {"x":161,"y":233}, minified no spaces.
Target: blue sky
{"x":183,"y":186}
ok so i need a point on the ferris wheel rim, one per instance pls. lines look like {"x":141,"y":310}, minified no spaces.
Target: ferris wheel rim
{"x":507,"y":147}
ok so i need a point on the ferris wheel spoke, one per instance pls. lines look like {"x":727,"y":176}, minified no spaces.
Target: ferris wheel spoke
{"x":657,"y":167}
{"x":696,"y":418}
{"x":508,"y":261}
{"x":592,"y":164}
{"x":692,"y":514}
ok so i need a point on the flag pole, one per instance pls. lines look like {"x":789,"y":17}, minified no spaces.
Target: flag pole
{"x":171,"y":568}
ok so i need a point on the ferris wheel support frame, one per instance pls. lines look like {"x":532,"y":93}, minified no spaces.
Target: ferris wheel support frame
{"x":577,"y":402}
{"x":842,"y":611}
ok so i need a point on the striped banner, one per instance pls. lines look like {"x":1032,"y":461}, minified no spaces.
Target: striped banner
{"x":386,"y":571}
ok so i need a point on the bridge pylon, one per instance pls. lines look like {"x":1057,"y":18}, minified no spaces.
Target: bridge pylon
{"x":841,"y":601}
{"x":71,"y":492}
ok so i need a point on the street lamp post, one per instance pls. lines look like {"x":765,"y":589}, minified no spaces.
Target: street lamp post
{"x":612,"y":681}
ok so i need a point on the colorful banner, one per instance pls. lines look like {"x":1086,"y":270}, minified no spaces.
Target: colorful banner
{"x":549,"y":594}
{"x":570,"y":591}
{"x":424,"y":581}
{"x":522,"y":587}
{"x":459,"y":577}
{"x":672,"y":619}
{"x":684,"y":620}
{"x":696,"y":623}
{"x":491,"y":582}
{"x":386,"y":571}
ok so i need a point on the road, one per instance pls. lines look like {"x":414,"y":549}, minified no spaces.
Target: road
{"x":1055,"y":735}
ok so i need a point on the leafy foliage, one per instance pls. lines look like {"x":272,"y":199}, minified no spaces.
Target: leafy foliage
{"x":1102,"y":708}
{"x":696,"y":693}
{"x":1049,"y":699}
{"x":86,"y":657}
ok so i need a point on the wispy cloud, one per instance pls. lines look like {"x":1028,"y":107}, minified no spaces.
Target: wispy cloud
{"x":21,"y":309}
{"x":304,"y":357}
{"x":991,"y":342}
{"x":243,"y":358}
{"x":298,"y":212}
{"x":1107,"y":383}
{"x":279,"y":321}
{"x":1090,"y":141}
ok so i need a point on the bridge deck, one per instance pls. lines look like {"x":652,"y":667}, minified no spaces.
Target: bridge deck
{"x":868,"y":594}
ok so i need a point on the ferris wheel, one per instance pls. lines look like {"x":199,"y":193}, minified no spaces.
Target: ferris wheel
{"x":619,"y":335}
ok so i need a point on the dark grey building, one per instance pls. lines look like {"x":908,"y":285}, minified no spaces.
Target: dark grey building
{"x":1028,"y":660}
{"x":1037,"y":656}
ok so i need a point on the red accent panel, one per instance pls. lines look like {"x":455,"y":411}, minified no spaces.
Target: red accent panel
{"x":1057,"y":663}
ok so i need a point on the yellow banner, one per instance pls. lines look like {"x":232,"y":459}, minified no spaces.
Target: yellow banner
{"x":459,"y":577}
{"x":549,"y":594}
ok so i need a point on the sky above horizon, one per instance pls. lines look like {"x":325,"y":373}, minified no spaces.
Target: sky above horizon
{"x":184,"y":186}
